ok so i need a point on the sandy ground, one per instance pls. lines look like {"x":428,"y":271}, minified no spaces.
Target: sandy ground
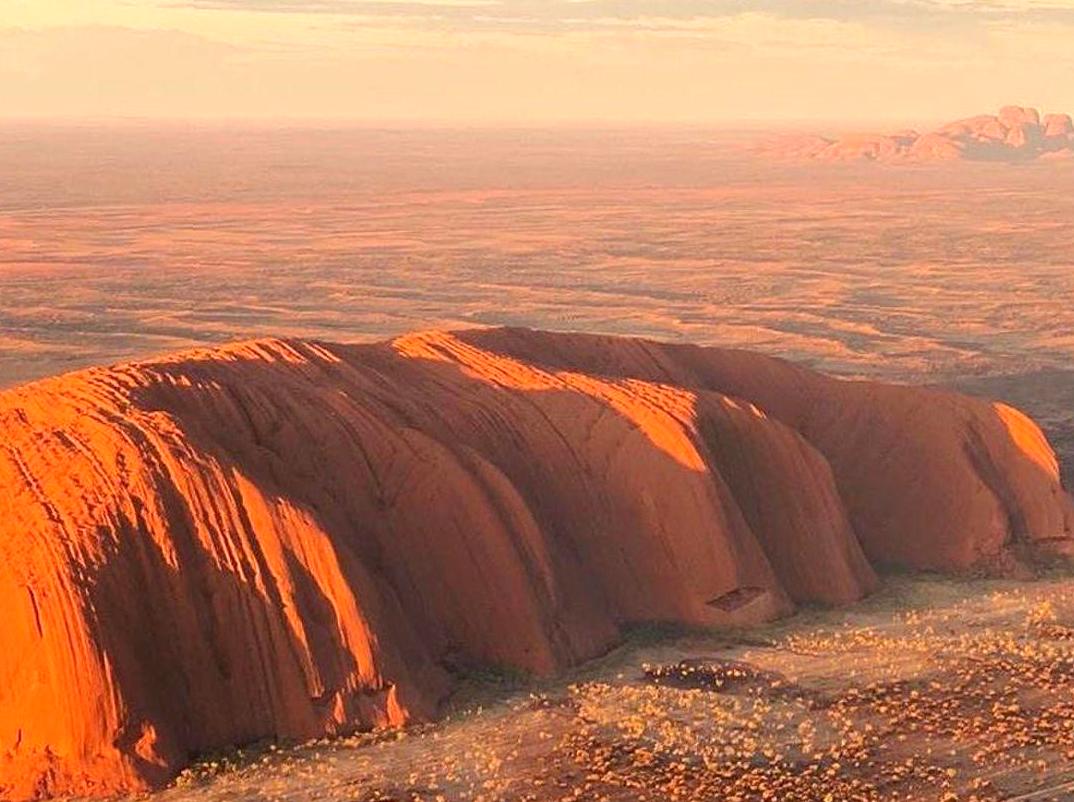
{"x":933,"y":689}
{"x":120,"y":243}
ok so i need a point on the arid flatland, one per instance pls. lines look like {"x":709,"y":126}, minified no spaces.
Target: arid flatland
{"x":117,"y":244}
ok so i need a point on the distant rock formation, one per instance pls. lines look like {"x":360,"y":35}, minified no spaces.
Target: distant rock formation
{"x":1016,"y":134}
{"x":290,"y":539}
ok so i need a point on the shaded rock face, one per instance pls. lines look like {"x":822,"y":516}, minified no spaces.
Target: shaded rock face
{"x":288,"y":539}
{"x":1015,"y":134}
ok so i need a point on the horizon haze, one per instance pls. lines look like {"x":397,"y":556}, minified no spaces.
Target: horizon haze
{"x":533,"y":62}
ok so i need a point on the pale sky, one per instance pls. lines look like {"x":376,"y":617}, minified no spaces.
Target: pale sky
{"x":525,"y":62}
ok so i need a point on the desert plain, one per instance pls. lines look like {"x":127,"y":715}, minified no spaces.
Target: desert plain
{"x":122,"y":243}
{"x":933,"y":689}
{"x":117,"y":244}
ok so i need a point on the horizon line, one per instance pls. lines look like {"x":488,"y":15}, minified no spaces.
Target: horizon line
{"x":744,"y":124}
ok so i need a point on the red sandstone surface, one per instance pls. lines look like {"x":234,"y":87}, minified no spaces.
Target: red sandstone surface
{"x":288,"y":538}
{"x":1015,"y":134}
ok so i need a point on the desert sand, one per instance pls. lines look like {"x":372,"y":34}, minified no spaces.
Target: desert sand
{"x":188,"y":239}
{"x":321,"y":537}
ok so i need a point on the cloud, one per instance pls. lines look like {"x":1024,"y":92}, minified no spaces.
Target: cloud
{"x":105,"y":70}
{"x":582,"y":14}
{"x":540,"y":60}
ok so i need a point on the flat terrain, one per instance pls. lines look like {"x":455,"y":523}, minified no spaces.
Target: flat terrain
{"x":124,"y":242}
{"x":931,"y":690}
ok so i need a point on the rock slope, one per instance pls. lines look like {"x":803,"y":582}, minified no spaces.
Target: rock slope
{"x":1016,"y":134}
{"x":288,"y":539}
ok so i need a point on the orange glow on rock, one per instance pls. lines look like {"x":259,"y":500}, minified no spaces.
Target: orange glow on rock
{"x":287,"y":539}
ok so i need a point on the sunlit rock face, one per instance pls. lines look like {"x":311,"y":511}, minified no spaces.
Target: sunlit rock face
{"x":290,"y":539}
{"x":1016,"y":134}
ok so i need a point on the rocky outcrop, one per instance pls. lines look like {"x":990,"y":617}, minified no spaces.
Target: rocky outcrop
{"x":1016,"y":134}
{"x":930,"y":479}
{"x":287,"y":539}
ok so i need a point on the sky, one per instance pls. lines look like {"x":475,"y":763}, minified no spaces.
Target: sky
{"x":534,"y":62}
